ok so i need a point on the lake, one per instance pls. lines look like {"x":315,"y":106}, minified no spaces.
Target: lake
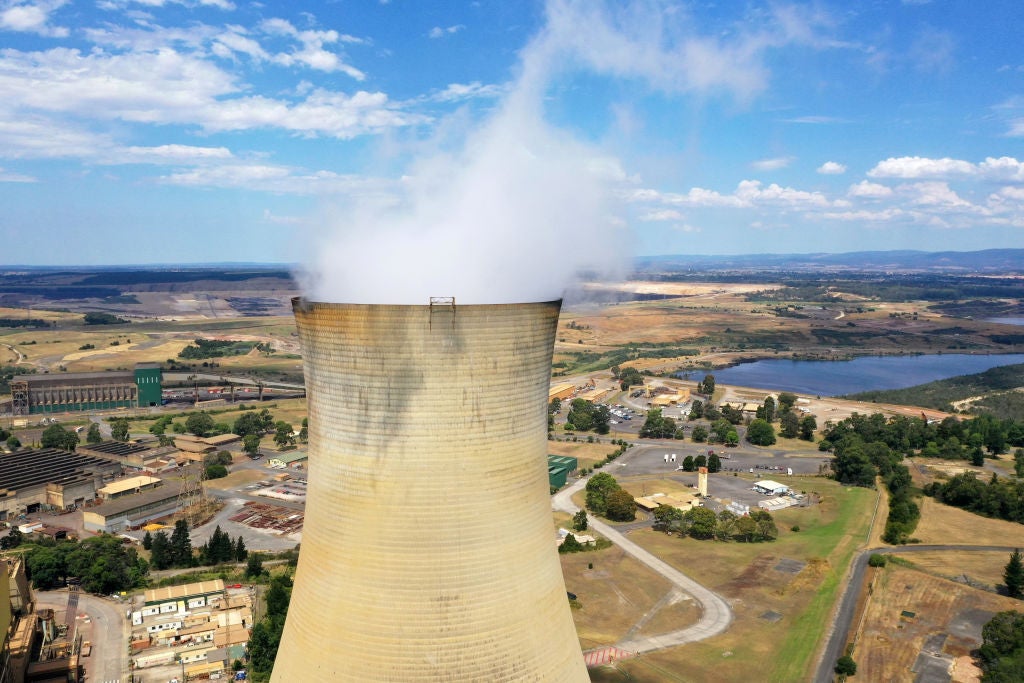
{"x":1006,"y":321}
{"x":867,"y":373}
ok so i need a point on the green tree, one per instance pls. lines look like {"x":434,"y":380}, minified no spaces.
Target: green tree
{"x":667,"y":518}
{"x":241,"y":552}
{"x":216,"y":471}
{"x":199,"y":423}
{"x":13,"y":442}
{"x":620,"y":506}
{"x":251,"y":444}
{"x":688,"y":464}
{"x":696,"y":410}
{"x":56,"y":436}
{"x":579,"y":521}
{"x":700,"y":461}
{"x":266,"y":420}
{"x":248,"y":423}
{"x":1002,"y":649}
{"x":789,"y":425}
{"x":147,"y":541}
{"x":283,"y":434}
{"x":702,"y":522}
{"x":93,"y":435}
{"x":714,"y":463}
{"x":760,"y":433}
{"x":786,"y":402}
{"x":807,"y":426}
{"x":845,"y":666}
{"x":707,"y":386}
{"x":304,"y":431}
{"x":254,"y":567}
{"x":732,"y":438}
{"x":120,"y":429}
{"x":1013,"y":576}
{"x":570,"y":545}
{"x":699,"y":434}
{"x":598,"y":488}
{"x":181,"y":545}
{"x":160,"y":552}
{"x":12,"y":540}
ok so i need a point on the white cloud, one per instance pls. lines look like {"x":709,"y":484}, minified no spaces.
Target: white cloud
{"x":32,"y":17}
{"x":832,"y":168}
{"x":912,"y":168}
{"x":935,"y":193}
{"x":279,"y":179}
{"x":169,"y":154}
{"x":11,"y":177}
{"x":920,"y":167}
{"x":226,"y":5}
{"x":312,"y":52}
{"x":168,"y":87}
{"x":751,"y":192}
{"x":772,"y":164}
{"x":661,"y":215}
{"x":881,"y":216}
{"x":464,"y":91}
{"x":869,"y":190}
{"x":1015,"y":193}
{"x":439,"y":32}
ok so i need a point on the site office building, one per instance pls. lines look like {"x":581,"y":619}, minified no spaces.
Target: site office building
{"x":79,"y":391}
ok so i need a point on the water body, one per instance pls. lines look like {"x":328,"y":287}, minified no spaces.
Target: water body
{"x":867,"y":373}
{"x":1006,"y":321}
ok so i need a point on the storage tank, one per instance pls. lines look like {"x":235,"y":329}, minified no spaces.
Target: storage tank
{"x":428,"y":551}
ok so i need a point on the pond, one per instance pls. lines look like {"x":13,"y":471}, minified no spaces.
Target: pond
{"x":867,"y":373}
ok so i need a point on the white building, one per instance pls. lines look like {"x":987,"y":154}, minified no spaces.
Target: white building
{"x":771,"y":488}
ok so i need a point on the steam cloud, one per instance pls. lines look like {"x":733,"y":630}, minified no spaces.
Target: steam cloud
{"x":521,"y":207}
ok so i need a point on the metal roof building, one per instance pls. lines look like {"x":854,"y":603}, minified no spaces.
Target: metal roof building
{"x":78,"y":391}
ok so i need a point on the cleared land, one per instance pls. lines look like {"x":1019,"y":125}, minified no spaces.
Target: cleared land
{"x":910,"y":613}
{"x":946,"y":524}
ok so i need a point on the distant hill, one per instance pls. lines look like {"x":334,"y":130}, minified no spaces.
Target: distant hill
{"x":999,"y":391}
{"x":1004,"y":261}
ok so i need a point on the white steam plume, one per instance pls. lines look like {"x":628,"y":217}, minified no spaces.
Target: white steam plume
{"x":522,"y":206}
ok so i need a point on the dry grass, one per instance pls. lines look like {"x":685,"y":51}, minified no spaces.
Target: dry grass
{"x":945,"y":524}
{"x":236,"y":479}
{"x":983,"y":567}
{"x":586,"y":453}
{"x":889,"y":643}
{"x":614,"y":595}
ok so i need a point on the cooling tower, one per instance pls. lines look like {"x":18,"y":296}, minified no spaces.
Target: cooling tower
{"x":428,"y":550}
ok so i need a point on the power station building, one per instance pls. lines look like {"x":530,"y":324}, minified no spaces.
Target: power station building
{"x":426,"y":553}
{"x":77,"y":391}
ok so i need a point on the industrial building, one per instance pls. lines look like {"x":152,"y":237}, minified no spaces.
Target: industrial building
{"x":770,"y":488}
{"x":289,"y":459}
{"x":132,"y":510}
{"x":49,"y":478}
{"x":407,"y":582}
{"x":559,"y":469}
{"x":140,"y":455}
{"x":17,"y":623}
{"x":78,"y":391}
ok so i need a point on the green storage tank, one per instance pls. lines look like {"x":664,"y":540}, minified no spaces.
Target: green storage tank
{"x":148,"y":380}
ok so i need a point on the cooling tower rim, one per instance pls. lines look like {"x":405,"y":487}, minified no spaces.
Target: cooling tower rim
{"x":301,"y":303}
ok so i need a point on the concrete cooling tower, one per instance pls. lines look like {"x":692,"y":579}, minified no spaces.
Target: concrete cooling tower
{"x":428,"y":551}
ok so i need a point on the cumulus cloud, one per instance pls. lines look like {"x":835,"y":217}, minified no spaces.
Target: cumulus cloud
{"x":32,"y":17}
{"x":661,"y":215}
{"x":772,"y":164}
{"x":869,"y":190}
{"x":910,"y":168}
{"x":166,"y":86}
{"x":832,"y":168}
{"x":439,"y":32}
{"x":311,"y":50}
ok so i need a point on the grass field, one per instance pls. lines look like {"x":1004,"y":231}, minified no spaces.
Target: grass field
{"x":586,"y":453}
{"x":755,"y":647}
{"x":983,"y":567}
{"x":946,"y":524}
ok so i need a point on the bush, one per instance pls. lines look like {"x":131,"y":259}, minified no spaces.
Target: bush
{"x":845,"y":666}
{"x":877,"y":560}
{"x":216,"y":471}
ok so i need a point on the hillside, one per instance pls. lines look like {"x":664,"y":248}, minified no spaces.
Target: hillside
{"x":999,"y":391}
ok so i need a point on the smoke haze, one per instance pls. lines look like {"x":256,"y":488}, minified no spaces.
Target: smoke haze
{"x":520,"y":206}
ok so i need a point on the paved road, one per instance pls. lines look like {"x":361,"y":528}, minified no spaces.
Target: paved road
{"x":840,"y":630}
{"x":716,"y":614}
{"x":106,"y":628}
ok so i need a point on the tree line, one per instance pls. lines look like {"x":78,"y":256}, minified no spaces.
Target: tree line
{"x":702,"y":523}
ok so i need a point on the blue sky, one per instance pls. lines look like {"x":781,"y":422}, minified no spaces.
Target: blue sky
{"x":356,"y":132}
